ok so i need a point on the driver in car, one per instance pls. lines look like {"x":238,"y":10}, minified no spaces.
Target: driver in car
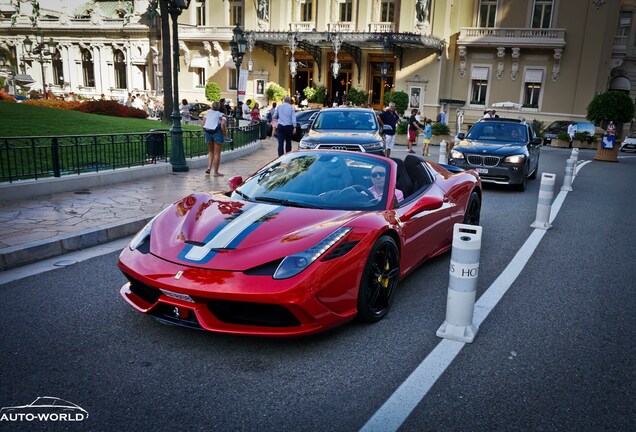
{"x":378,"y":175}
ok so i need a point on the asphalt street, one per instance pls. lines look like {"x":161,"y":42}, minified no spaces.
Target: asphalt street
{"x":556,"y":354}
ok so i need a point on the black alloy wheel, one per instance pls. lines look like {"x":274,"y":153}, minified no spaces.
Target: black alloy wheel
{"x":473,"y":210}
{"x":379,"y":280}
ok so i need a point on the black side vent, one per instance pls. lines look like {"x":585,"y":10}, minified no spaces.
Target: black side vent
{"x":267,"y":269}
{"x":342,"y":249}
{"x":147,"y":293}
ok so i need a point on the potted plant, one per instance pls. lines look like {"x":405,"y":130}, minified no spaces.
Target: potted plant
{"x":583,"y":140}
{"x":315,"y":95}
{"x":274,"y":92}
{"x":440,"y":132}
{"x":562,"y":140}
{"x":357,"y":97}
{"x":613,"y":106}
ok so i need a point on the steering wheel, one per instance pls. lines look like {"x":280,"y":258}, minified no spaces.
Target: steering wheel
{"x":364,"y":191}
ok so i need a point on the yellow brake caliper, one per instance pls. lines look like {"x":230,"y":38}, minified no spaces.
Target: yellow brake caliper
{"x":384,"y":281}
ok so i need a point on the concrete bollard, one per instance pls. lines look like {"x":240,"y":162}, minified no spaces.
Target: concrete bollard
{"x":462,"y":284}
{"x":569,"y":173}
{"x":442,"y":153}
{"x":544,"y":205}
{"x":575,"y":156}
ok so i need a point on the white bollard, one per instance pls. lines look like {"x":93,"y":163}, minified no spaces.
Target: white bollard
{"x":575,"y":156}
{"x":442,"y":152}
{"x":544,"y":205}
{"x":462,"y":284}
{"x":569,"y":170}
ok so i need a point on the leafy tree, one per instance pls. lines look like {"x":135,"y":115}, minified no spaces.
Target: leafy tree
{"x":400,"y":98}
{"x":613,"y":106}
{"x":357,"y":97}
{"x":212,"y":92}
{"x":274,"y":92}
{"x":315,"y":94}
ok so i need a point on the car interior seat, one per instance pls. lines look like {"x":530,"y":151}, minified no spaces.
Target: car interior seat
{"x":403,"y":180}
{"x":333,"y":174}
{"x":416,"y":172}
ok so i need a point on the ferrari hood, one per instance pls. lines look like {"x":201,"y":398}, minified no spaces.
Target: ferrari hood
{"x":216,"y":232}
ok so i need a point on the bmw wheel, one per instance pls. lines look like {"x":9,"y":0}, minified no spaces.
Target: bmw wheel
{"x":473,"y":210}
{"x":379,"y":280}
{"x":524,"y":180}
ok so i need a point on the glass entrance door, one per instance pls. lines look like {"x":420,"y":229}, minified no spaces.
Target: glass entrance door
{"x":380,"y":86}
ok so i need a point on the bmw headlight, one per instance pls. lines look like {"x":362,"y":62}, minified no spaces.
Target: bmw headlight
{"x":294,"y":264}
{"x":142,"y":235}
{"x":516,"y":159}
{"x":454,"y":154}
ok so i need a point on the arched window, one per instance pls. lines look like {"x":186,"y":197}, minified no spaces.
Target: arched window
{"x":120,"y":70}
{"x":88,"y":68}
{"x":58,"y":71}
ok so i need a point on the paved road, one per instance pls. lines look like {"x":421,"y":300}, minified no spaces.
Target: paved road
{"x":557,"y":353}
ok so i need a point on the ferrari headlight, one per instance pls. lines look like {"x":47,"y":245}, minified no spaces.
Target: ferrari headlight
{"x":294,"y":264}
{"x":515,"y":159}
{"x":454,"y":154}
{"x":142,"y":235}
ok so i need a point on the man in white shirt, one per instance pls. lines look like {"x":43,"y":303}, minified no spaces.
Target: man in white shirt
{"x":247,"y":112}
{"x":286,"y":117}
{"x":571,"y":131}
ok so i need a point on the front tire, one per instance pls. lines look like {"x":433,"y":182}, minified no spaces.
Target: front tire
{"x":379,"y":280}
{"x":524,"y":181}
{"x":473,"y":210}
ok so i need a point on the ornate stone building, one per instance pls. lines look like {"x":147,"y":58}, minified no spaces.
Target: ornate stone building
{"x":544,"y":59}
{"x":99,"y":47}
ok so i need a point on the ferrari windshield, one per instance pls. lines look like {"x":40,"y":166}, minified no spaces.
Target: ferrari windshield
{"x":323,"y":180}
{"x":500,"y":132}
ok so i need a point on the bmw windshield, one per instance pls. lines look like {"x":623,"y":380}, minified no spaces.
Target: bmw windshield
{"x":500,"y":133}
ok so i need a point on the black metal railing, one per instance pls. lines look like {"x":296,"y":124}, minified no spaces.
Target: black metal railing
{"x":37,"y":157}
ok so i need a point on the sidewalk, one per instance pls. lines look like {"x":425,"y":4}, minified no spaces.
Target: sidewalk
{"x":52,"y":225}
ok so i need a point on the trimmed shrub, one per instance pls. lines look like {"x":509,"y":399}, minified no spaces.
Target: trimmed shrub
{"x":357,"y":97}
{"x":400,"y":98}
{"x":563,"y":136}
{"x":111,"y":108}
{"x":54,"y":103}
{"x":4,"y":96}
{"x":440,"y":129}
{"x":212,"y":92}
{"x":274,"y":92}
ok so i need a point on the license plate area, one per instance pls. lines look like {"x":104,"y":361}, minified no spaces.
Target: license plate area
{"x":482,"y":170}
{"x":177,"y":296}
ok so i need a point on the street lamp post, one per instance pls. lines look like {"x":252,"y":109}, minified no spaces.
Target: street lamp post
{"x":41,"y":51}
{"x":177,"y":155}
{"x":238,"y":46}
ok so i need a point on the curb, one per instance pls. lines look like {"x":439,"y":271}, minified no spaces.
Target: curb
{"x":16,"y":256}
{"x":27,"y":189}
{"x":27,"y":253}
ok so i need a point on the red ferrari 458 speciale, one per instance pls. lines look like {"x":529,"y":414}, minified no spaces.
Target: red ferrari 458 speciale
{"x":311,"y":241}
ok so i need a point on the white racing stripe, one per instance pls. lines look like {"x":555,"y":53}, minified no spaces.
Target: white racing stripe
{"x":230,"y":231}
{"x":403,"y":401}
